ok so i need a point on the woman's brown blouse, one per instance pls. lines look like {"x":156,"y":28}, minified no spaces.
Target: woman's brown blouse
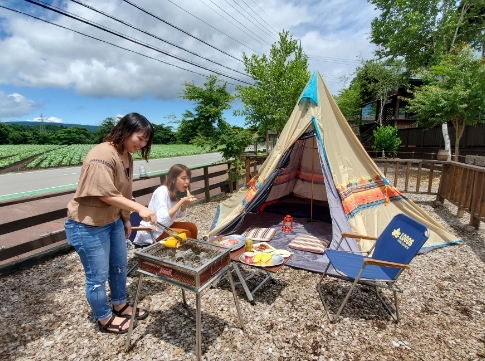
{"x":102,"y":175}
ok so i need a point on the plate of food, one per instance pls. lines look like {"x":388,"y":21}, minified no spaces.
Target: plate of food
{"x":263,"y":247}
{"x":261,"y":259}
{"x":233,"y":241}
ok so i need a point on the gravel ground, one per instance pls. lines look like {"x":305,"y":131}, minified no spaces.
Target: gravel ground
{"x":44,"y":314}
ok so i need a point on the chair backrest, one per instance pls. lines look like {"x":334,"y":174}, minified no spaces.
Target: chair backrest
{"x":135,"y":220}
{"x":400,"y":241}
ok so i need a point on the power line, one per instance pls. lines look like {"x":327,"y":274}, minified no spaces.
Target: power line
{"x":263,"y":30}
{"x":106,"y":42}
{"x":232,"y":22}
{"x":155,"y":36}
{"x":260,"y":16}
{"x":266,"y":14}
{"x":179,"y":29}
{"x":333,"y":60}
{"x":88,"y":22}
{"x":188,"y":12}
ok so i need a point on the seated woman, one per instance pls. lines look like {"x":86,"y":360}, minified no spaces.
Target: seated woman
{"x":170,"y":202}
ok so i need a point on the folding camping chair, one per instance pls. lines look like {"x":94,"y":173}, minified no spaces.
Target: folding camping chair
{"x":392,"y":252}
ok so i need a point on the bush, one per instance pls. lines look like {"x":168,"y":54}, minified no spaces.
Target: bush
{"x":386,"y":139}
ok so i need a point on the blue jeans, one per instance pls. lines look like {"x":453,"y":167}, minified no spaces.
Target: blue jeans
{"x":103,"y":254}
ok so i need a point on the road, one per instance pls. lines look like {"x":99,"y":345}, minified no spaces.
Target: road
{"x":13,"y":185}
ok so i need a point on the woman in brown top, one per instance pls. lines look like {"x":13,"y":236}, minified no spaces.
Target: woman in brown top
{"x":98,"y":220}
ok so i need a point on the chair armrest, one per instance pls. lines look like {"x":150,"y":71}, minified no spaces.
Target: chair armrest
{"x":355,"y":235}
{"x":376,"y":262}
{"x":143,"y":228}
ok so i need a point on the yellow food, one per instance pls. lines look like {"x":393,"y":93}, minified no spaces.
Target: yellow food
{"x":257,"y":257}
{"x":171,"y":242}
{"x":183,"y":236}
{"x":266,"y":257}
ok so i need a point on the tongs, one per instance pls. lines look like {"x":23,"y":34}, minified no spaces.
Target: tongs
{"x":170,"y":232}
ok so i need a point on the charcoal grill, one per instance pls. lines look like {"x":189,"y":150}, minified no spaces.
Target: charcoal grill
{"x":193,"y":267}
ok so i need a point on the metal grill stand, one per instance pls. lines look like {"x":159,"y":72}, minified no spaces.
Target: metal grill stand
{"x":194,"y":280}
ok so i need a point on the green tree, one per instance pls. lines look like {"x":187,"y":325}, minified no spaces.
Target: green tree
{"x":379,"y":79}
{"x":453,"y":91}
{"x":163,"y":134}
{"x":386,"y":139}
{"x":17,"y":137}
{"x":72,"y":135}
{"x":104,"y":128}
{"x":207,"y":126}
{"x":349,"y":101}
{"x":231,"y":142}
{"x":4,"y":132}
{"x":279,"y":80}
{"x":421,"y":31}
{"x":210,"y":102}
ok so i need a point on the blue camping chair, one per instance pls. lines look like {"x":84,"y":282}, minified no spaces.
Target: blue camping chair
{"x":391,"y":254}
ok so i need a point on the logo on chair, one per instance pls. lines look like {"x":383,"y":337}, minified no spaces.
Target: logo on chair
{"x":403,"y":238}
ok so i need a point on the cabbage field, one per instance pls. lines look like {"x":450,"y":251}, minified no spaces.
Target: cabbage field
{"x":45,"y":156}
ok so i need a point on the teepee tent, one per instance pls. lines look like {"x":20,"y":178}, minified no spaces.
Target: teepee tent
{"x":319,"y":158}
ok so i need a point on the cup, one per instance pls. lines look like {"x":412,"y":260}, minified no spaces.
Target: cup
{"x":248,"y":257}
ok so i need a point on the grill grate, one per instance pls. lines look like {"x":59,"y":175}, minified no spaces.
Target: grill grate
{"x":194,"y":263}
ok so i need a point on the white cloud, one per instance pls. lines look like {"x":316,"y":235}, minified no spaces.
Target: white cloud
{"x":46,"y":119}
{"x":15,"y":105}
{"x":37,"y":54}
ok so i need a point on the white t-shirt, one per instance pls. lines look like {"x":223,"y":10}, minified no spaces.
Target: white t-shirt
{"x":160,"y":204}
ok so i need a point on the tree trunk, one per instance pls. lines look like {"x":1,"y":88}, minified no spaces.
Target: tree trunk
{"x":446,"y":137}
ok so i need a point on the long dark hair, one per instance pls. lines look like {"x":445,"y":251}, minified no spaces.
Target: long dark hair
{"x":172,"y":175}
{"x":129,"y":124}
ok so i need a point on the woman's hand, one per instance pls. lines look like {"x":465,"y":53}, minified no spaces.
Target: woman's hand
{"x":148,"y":215}
{"x":127,"y":225}
{"x":185,"y":201}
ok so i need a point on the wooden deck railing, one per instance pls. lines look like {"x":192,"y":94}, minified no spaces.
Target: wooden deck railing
{"x":464,"y":186}
{"x":421,"y":172}
{"x":461,"y":184}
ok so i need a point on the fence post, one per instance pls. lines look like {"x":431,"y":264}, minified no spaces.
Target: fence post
{"x":247,"y":162}
{"x":229,"y":181}
{"x":430,"y":177}
{"x":396,"y":173}
{"x":406,"y":181}
{"x":418,"y":179}
{"x":206,"y":184}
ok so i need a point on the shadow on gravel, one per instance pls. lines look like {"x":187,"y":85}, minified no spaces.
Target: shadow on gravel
{"x":474,"y":239}
{"x":363,"y":303}
{"x":267,"y":294}
{"x":175,"y":329}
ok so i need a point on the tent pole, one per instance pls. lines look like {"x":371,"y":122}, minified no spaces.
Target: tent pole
{"x":313,"y":167}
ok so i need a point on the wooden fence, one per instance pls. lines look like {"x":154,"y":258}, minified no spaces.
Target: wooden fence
{"x":464,"y":186}
{"x":209,"y":173}
{"x":461,"y":184}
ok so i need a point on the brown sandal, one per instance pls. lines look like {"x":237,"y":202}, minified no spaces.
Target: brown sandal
{"x":110,"y":328}
{"x":138,"y":316}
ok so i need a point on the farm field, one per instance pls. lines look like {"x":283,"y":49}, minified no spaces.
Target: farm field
{"x":30,"y":157}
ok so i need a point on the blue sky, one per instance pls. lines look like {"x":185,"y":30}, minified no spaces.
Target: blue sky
{"x":70,"y":78}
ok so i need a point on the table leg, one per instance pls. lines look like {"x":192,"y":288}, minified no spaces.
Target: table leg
{"x":243,"y":282}
{"x":132,"y":319}
{"x":198,"y":346}
{"x":233,"y":288}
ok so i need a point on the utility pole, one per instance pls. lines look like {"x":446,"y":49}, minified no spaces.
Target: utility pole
{"x":42,"y":127}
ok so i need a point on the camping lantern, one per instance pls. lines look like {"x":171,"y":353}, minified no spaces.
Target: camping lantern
{"x":287,"y":224}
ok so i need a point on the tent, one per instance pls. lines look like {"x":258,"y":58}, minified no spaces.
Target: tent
{"x":319,"y":160}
